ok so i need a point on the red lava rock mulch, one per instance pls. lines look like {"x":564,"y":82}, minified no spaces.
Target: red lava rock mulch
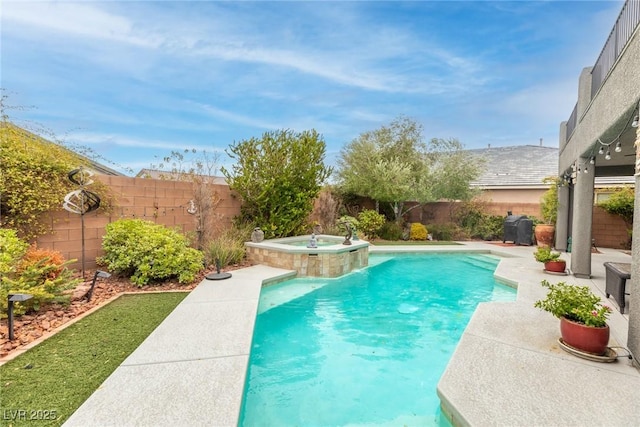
{"x":32,"y":326}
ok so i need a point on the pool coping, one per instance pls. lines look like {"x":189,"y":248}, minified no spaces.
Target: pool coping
{"x":188,"y":372}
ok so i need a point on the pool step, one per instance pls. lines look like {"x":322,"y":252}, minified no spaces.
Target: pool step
{"x":482,"y":261}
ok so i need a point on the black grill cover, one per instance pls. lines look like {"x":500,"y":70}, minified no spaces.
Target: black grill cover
{"x":518,"y":229}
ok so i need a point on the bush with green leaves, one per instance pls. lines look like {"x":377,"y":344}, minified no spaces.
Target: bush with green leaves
{"x":147,"y":252}
{"x":391,"y":230}
{"x":41,"y":273}
{"x":476,"y":223}
{"x":446,"y":231}
{"x":620,"y":203}
{"x":370,"y":222}
{"x":12,"y":249}
{"x":354,"y":224}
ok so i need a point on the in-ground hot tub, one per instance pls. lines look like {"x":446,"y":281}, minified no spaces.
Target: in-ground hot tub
{"x":329,"y":259}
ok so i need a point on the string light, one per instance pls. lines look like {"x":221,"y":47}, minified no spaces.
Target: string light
{"x":618,"y":147}
{"x":592,"y":160}
{"x":601,"y":151}
{"x":608,"y":155}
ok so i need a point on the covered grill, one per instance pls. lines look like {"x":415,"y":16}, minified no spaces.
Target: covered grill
{"x":518,"y":229}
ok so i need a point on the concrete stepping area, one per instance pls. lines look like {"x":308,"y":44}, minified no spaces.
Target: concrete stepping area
{"x":191,"y":369}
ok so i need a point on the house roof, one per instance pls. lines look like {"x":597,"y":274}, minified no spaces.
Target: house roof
{"x":159,"y":174}
{"x":525,"y":166}
{"x":520,"y":166}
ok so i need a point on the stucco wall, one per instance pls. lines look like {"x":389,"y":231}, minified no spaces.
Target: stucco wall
{"x":161,"y":201}
{"x":517,"y":196}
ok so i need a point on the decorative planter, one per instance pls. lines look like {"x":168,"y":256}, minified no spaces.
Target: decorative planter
{"x":544,"y":234}
{"x":556,"y":266}
{"x":589,"y":339}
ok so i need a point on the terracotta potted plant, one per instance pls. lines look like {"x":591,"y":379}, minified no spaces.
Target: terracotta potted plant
{"x":583,"y":319}
{"x":545,"y":231}
{"x":551,"y":260}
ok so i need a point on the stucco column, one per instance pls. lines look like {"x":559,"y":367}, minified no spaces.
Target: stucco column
{"x":582,"y":218}
{"x":562,"y":222}
{"x":633,"y":339}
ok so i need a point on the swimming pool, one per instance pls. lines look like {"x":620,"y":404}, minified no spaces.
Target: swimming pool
{"x":367,"y":348}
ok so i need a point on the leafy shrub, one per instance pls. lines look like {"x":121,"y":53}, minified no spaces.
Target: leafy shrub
{"x":353,"y":222}
{"x":145,"y":251}
{"x":48,"y":257}
{"x":228,"y":248}
{"x":40,"y":273}
{"x":391,"y":230}
{"x":447,"y":231}
{"x":491,"y":228}
{"x":620,"y":203}
{"x":418,"y":231}
{"x":476,"y":223}
{"x":370,"y":222}
{"x":12,"y":248}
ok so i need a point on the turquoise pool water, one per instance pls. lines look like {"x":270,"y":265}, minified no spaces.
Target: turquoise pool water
{"x":367,"y":348}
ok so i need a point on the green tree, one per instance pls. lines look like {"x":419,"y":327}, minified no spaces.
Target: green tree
{"x":278,"y":177}
{"x":393,"y":164}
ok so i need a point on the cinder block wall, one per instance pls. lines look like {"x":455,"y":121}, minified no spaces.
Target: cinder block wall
{"x":161,"y":201}
{"x":609,"y":231}
{"x":440,"y":212}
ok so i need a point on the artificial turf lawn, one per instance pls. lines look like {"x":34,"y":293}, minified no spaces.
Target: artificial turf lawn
{"x":46,"y":384}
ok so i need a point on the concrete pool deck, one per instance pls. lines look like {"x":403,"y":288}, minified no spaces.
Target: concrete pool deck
{"x":507,"y":369}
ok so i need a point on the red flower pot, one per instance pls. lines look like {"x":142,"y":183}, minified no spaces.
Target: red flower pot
{"x":589,"y":339}
{"x":557,"y":266}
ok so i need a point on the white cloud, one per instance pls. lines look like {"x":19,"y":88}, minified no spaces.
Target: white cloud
{"x":92,"y":139}
{"x":77,"y":20}
{"x":236,"y":118}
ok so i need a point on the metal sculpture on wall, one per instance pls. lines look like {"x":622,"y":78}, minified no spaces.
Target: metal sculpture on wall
{"x":81,"y":201}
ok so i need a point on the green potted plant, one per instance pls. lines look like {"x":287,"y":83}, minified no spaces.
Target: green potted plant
{"x":551,"y":260}
{"x":583,"y":318}
{"x":549,"y":204}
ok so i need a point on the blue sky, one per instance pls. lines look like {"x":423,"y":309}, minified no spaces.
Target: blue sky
{"x":134,"y":80}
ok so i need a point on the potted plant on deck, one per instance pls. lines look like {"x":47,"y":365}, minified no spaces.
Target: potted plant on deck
{"x":545,"y":231}
{"x":583,"y":319}
{"x":551,"y":260}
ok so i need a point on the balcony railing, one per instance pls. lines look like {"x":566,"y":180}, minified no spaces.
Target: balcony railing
{"x":572,"y":122}
{"x":620,"y":34}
